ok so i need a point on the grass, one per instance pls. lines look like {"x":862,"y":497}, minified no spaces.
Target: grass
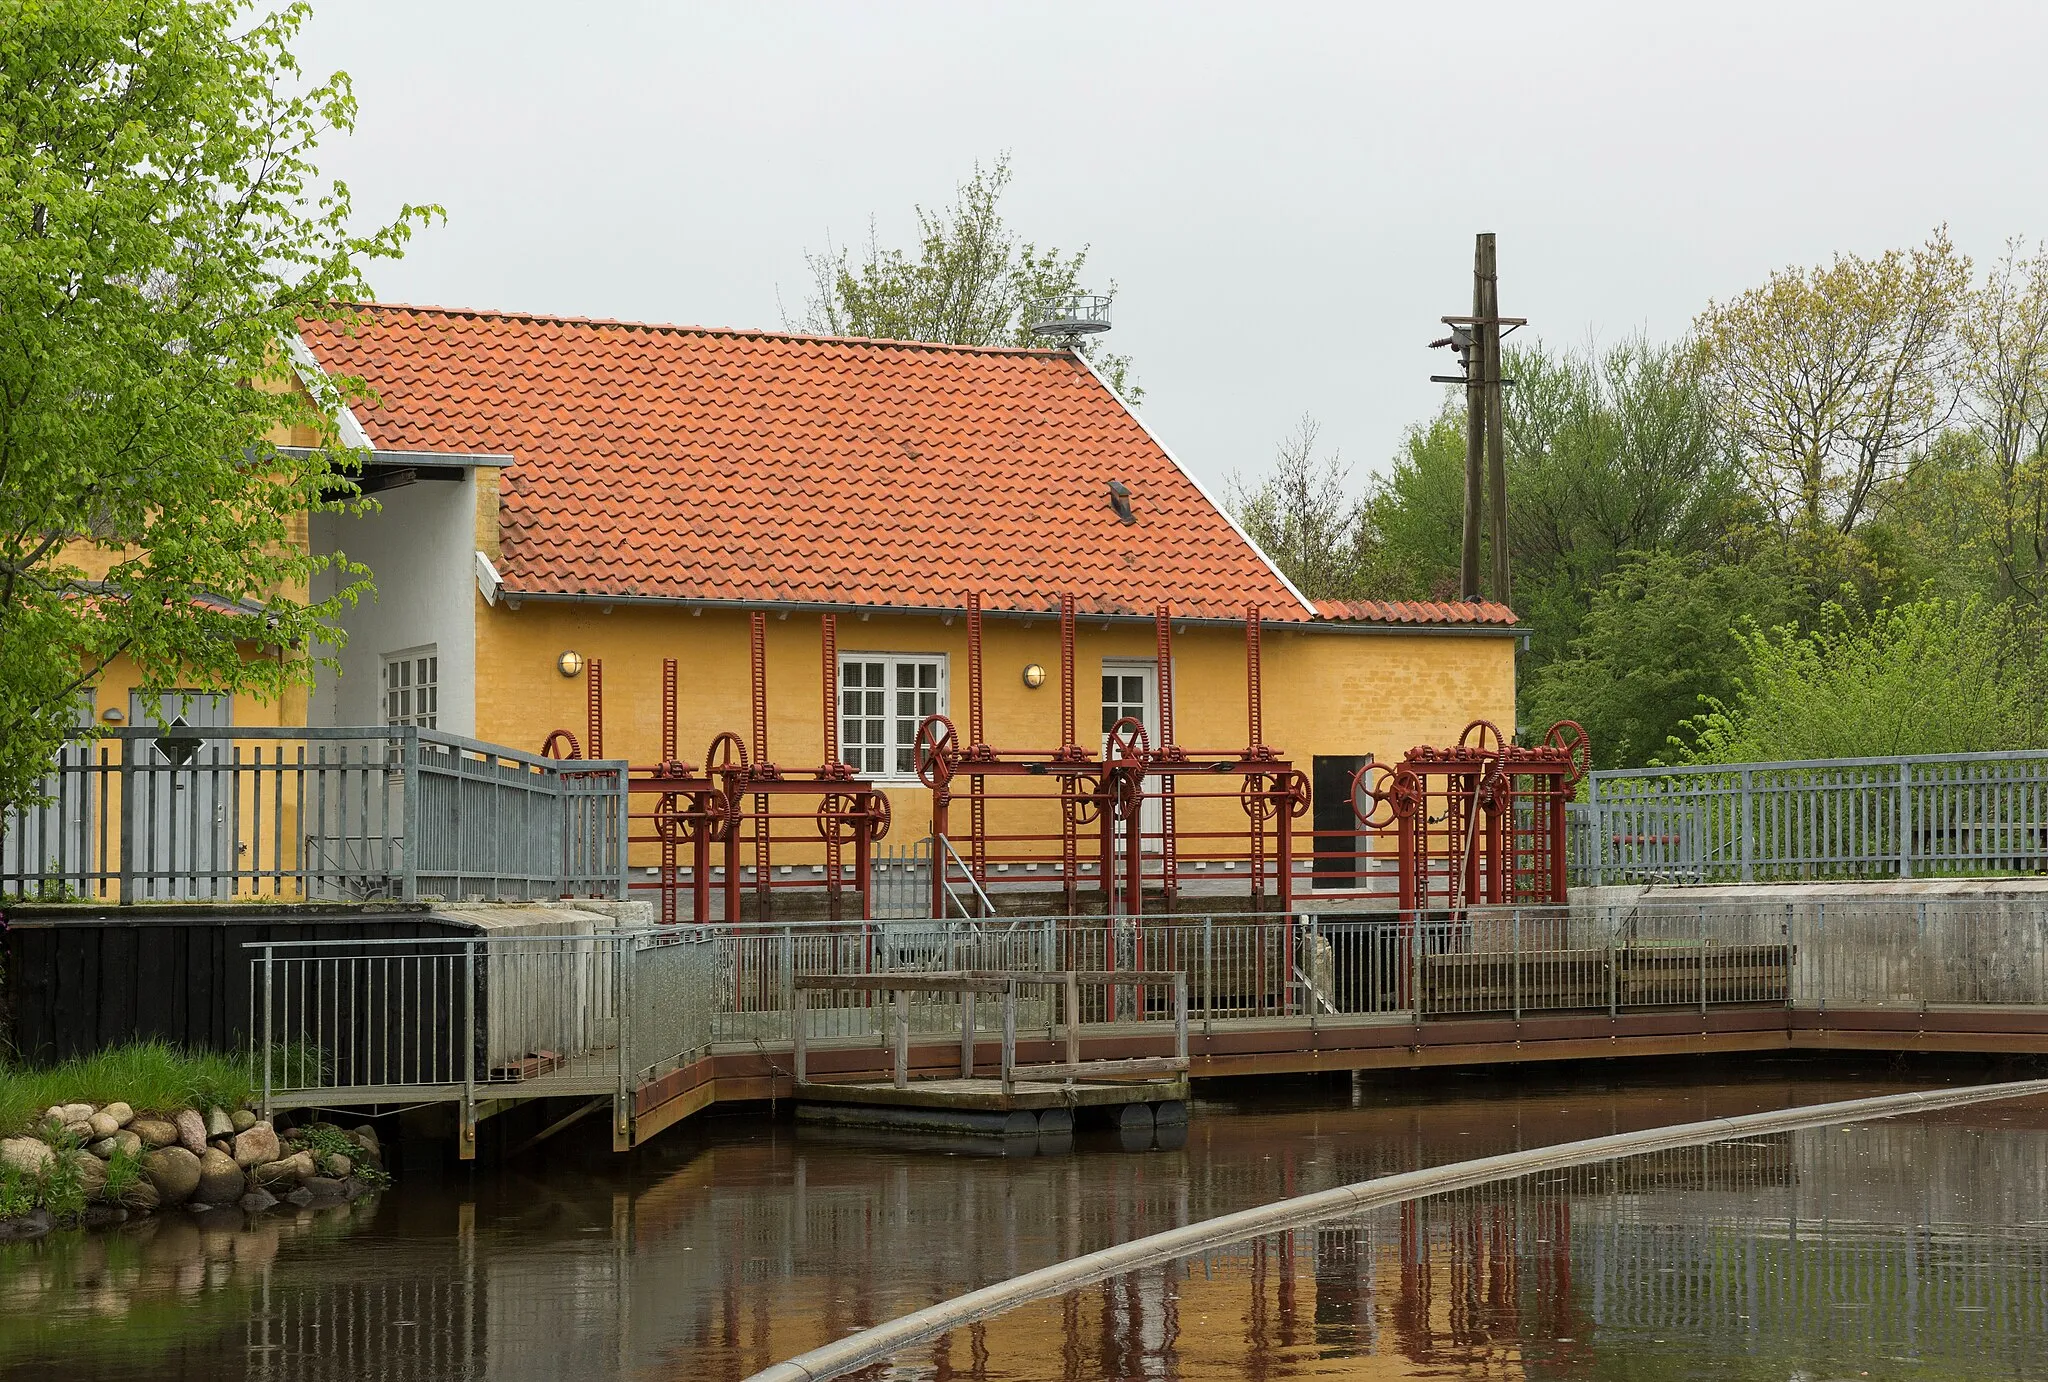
{"x":149,"y":1076}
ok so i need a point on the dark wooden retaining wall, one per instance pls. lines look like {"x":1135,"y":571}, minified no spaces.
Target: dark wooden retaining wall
{"x":81,"y":978}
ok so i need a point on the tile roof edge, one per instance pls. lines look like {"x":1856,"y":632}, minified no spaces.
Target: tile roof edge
{"x":600,"y":597}
{"x":686,"y":329}
{"x":1308,"y":606}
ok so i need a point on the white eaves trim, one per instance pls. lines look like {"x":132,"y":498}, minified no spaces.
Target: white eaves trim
{"x":1307,"y":605}
{"x":315,"y":379}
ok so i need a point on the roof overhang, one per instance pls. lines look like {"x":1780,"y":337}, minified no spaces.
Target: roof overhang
{"x":515,"y":598}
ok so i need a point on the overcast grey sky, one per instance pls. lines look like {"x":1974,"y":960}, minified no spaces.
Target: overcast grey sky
{"x":1285,"y":193}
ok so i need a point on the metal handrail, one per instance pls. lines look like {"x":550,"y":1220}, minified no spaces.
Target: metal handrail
{"x":946,"y":880}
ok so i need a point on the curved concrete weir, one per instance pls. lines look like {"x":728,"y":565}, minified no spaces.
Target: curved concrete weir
{"x":884,"y":1340}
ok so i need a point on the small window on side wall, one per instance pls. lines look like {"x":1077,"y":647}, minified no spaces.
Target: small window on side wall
{"x":883,"y":698}
{"x":412,"y":687}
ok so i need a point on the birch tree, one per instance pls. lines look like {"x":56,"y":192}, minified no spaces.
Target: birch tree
{"x":1830,"y":377}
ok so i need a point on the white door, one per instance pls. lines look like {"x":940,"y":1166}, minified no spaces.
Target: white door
{"x":1130,"y":690}
{"x":184,"y":845}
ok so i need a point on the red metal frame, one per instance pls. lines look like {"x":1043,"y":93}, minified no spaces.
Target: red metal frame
{"x":741,"y":795}
{"x":1109,"y":791}
{"x":1480,"y":823}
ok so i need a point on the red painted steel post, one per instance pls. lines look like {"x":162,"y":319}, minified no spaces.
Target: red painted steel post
{"x":1070,"y":844}
{"x":1255,"y":677}
{"x":593,"y":707}
{"x":1500,"y":860}
{"x":763,"y":821}
{"x":1560,"y":879}
{"x":828,"y":643}
{"x":1169,"y":841}
{"x":1284,"y":857}
{"x":666,"y":828}
{"x":941,"y":797}
{"x":977,"y":815}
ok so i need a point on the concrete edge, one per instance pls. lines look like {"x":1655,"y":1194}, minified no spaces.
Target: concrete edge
{"x":872,"y":1345}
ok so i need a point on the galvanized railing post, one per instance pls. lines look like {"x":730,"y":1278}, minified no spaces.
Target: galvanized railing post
{"x":900,"y":1035}
{"x":269,"y":1035}
{"x":1515,"y":952}
{"x":1009,"y":1035}
{"x":1180,"y":1016}
{"x":128,"y":777}
{"x":1208,"y":972}
{"x":1598,"y":818}
{"x":409,"y":815}
{"x":1905,"y":814}
{"x":467,"y":1133}
{"x":1745,"y":828}
{"x":1613,"y":967}
{"x":625,"y":975}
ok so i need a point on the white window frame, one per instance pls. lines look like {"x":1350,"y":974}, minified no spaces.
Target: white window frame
{"x":412,"y":713}
{"x":853,"y":748}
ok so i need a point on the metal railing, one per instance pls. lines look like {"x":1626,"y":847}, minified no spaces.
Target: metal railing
{"x":349,"y":814}
{"x":589,"y":1011}
{"x":1068,"y":1003}
{"x":463,"y":1018}
{"x":1849,"y":818}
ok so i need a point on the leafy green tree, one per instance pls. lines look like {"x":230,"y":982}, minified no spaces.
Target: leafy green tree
{"x":1830,"y":379}
{"x":1932,"y":676}
{"x":970,"y":281}
{"x":1308,"y":519}
{"x":1659,"y":638}
{"x":162,"y":229}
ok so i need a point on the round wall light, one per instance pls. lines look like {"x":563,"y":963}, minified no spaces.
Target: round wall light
{"x":112,"y":715}
{"x":569,"y":663}
{"x":1034,"y":675}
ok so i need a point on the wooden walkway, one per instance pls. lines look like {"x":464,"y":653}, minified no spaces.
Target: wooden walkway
{"x":1302,"y":1045}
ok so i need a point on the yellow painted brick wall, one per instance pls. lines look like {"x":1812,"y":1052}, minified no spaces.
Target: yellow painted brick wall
{"x":1325,"y":692}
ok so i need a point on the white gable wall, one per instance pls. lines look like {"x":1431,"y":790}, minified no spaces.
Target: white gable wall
{"x":420,"y":548}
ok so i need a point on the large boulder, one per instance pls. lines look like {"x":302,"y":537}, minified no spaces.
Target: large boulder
{"x":139,"y":1194}
{"x":76,"y":1113}
{"x":90,"y":1170}
{"x":326,"y":1188}
{"x":220,"y":1180}
{"x":120,"y":1113}
{"x":80,"y":1130}
{"x":366,"y":1138}
{"x":218,"y":1124}
{"x":285,"y":1172}
{"x":257,"y":1200}
{"x":337,"y":1166}
{"x":104,"y":1124}
{"x":255,"y":1145}
{"x":191,"y":1130}
{"x":243,"y":1119}
{"x":123,"y":1143}
{"x":26,"y":1154}
{"x":154,"y":1132}
{"x":174,"y":1172}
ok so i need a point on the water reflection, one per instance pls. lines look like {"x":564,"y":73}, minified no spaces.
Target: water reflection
{"x":1881,"y":1250}
{"x":729,"y":1246}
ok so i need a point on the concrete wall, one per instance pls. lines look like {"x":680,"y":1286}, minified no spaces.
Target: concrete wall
{"x":420,"y":548}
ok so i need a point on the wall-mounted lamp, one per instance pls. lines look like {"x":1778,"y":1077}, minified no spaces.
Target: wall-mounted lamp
{"x":569,"y":664}
{"x":1034,"y":675}
{"x":112,"y":715}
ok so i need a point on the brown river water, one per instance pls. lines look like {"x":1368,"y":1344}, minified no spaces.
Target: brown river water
{"x":1913,"y":1248}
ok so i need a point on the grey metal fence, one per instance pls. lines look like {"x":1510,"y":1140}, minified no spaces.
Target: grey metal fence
{"x":589,"y":1011}
{"x":345,"y":813}
{"x":578,"y":1011}
{"x":1851,"y":818}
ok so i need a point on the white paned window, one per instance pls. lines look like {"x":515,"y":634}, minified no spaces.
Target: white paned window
{"x":412,"y":687}
{"x":883,"y":697}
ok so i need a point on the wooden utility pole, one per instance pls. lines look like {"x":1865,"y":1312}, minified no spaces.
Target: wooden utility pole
{"x":1475,"y":428}
{"x":1477,"y":340}
{"x":1487,"y":285}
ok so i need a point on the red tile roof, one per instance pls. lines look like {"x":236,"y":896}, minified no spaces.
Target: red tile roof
{"x":1415,"y":612}
{"x":699,"y":464}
